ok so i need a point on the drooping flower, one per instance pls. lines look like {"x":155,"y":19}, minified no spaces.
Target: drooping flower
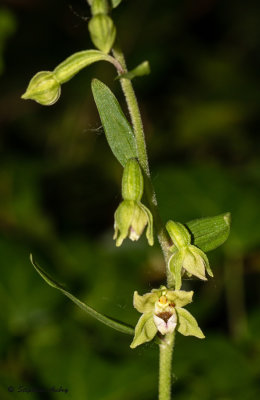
{"x":131,"y":216}
{"x":186,"y":258}
{"x":162,"y":312}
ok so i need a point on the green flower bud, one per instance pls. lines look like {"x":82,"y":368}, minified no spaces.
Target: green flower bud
{"x":131,"y":218}
{"x":178,"y":233}
{"x":99,"y":7}
{"x":132,"y":182}
{"x":102,"y":31}
{"x":186,"y":258}
{"x":43,"y":88}
{"x":162,"y":312}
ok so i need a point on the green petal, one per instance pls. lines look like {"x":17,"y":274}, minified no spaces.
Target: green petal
{"x":180,"y":297}
{"x":145,"y":303}
{"x":194,"y":263}
{"x":205,"y":259}
{"x":149,"y":230}
{"x":145,"y":330}
{"x":187,"y":324}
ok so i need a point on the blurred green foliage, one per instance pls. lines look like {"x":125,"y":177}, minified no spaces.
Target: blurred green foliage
{"x":200,"y":109}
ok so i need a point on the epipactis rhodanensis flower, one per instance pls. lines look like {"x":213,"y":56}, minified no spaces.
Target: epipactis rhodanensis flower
{"x":186,"y":258}
{"x":162,"y":311}
{"x":131,"y":216}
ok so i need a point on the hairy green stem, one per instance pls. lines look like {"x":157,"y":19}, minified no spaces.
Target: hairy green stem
{"x":165,"y":367}
{"x":135,"y":115}
{"x":166,"y":346}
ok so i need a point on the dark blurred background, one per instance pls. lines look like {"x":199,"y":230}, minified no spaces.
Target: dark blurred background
{"x":60,"y":185}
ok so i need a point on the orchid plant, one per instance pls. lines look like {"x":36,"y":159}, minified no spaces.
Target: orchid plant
{"x":183,"y":244}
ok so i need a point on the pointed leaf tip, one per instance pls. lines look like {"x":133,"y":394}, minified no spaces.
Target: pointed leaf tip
{"x":141,"y":70}
{"x":112,"y":323}
{"x":210,"y":232}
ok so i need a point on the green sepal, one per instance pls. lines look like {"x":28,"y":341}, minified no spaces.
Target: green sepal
{"x":117,"y":325}
{"x":102,"y":31}
{"x":145,"y":303}
{"x":204,"y":257}
{"x":141,"y":70}
{"x":131,"y":218}
{"x":187,"y":324}
{"x":193,"y":263}
{"x":180,"y":297}
{"x":210,"y":232}
{"x":132,"y":181}
{"x":149,"y":230}
{"x":118,"y":131}
{"x":175,"y":268}
{"x":115,"y":3}
{"x":145,"y":330}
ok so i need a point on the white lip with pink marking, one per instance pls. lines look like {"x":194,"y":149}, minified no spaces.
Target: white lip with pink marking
{"x":165,"y":317}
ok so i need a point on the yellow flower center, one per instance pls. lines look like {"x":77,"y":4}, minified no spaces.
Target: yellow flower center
{"x":163,"y":300}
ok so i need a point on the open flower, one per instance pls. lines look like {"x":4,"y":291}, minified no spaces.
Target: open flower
{"x":186,"y":258}
{"x":162,"y":311}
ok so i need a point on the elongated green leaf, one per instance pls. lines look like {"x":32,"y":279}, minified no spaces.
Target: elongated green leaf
{"x":141,"y":70}
{"x":209,"y":233}
{"x":119,"y":326}
{"x":118,"y":131}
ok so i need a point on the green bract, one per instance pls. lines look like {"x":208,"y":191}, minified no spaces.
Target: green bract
{"x":185,"y":257}
{"x":141,"y":70}
{"x":162,"y":312}
{"x":210,"y":232}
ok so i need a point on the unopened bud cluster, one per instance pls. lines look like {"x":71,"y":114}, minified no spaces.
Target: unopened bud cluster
{"x":101,"y":27}
{"x":131,"y":216}
{"x":186,"y":258}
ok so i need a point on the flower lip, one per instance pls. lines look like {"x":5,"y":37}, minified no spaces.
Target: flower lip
{"x":165,"y":315}
{"x":165,"y":322}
